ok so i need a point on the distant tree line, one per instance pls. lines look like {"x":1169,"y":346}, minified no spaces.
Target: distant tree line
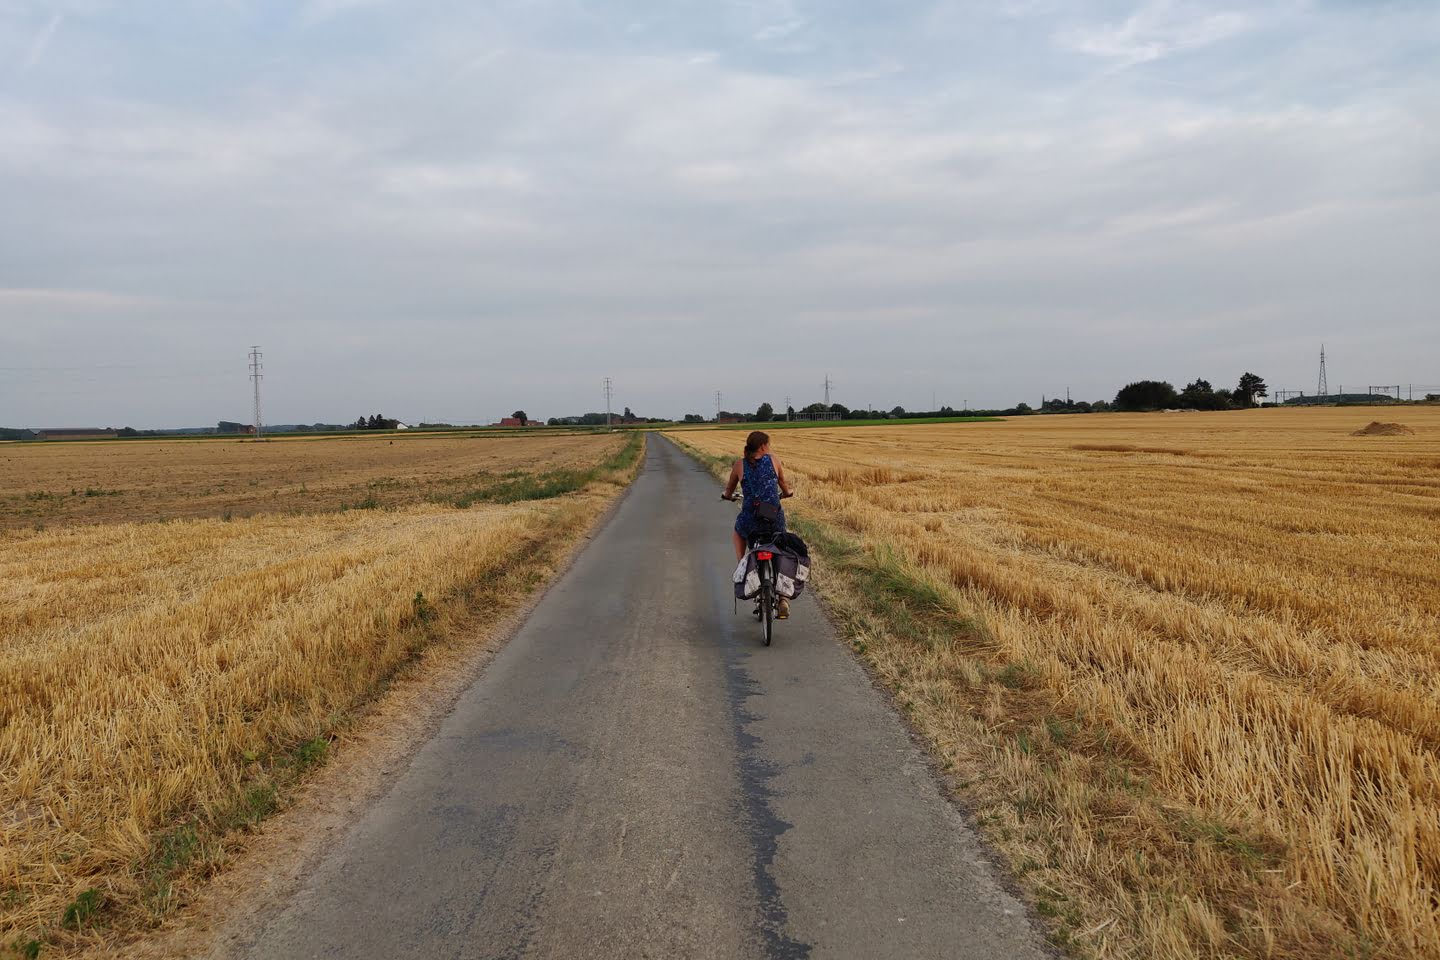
{"x":766,"y":413}
{"x":1056,"y":405}
{"x":1199,"y":394}
{"x":600,"y":419}
{"x":1141,"y":395}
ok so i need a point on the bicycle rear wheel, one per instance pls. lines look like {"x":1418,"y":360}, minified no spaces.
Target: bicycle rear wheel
{"x":767,"y":604}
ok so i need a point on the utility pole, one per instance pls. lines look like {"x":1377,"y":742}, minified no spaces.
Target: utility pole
{"x":256,"y":366}
{"x":608,"y":391}
{"x":828,"y":385}
{"x":788,"y":407}
{"x":719,"y":404}
{"x":1323,"y":388}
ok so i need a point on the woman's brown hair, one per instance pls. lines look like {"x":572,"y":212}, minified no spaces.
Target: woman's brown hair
{"x":756,"y":440}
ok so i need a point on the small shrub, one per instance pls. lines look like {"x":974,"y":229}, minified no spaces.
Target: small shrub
{"x":251,"y":806}
{"x":82,"y":909}
{"x":424,"y":612}
{"x":311,"y":752}
{"x":1016,"y":676}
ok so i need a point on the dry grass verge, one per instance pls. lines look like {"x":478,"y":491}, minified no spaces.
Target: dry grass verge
{"x":162,"y":686}
{"x":1194,"y":700}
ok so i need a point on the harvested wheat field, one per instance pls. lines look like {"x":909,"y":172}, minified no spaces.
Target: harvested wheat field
{"x":163,"y":683}
{"x":1185,"y":668}
{"x":101,"y":482}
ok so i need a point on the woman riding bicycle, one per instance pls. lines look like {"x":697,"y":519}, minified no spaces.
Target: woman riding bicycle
{"x":764,"y":479}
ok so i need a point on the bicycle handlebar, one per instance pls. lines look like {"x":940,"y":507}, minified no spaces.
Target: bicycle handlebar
{"x":734,"y":497}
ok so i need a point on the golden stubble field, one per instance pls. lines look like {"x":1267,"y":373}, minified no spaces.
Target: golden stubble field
{"x":162,"y":684}
{"x":1184,"y":667}
{"x":108,"y":481}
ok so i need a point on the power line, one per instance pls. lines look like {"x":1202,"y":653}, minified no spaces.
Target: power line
{"x":256,"y":366}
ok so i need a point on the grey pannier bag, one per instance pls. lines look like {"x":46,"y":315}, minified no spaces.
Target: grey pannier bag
{"x":792,"y":568}
{"x":747,"y":578}
{"x":792,"y":572}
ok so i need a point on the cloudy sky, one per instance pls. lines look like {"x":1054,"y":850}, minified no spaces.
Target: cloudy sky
{"x":451,"y":209}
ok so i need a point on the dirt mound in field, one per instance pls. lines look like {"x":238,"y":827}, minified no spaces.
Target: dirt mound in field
{"x":1378,"y":429}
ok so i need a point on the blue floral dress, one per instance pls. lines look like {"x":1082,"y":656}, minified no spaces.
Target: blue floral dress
{"x":760,"y":484}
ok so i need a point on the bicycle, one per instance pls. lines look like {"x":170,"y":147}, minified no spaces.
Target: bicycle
{"x":764,"y":534}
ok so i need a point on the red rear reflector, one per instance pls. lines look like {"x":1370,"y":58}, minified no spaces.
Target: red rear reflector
{"x":764,"y":555}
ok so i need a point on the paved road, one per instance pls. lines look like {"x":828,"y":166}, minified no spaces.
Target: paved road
{"x":636,"y":776}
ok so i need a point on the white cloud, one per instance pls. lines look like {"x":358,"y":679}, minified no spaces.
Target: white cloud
{"x":986,"y":201}
{"x":780,"y":30}
{"x":41,"y":43}
{"x":447,"y":179}
{"x":318,"y":11}
{"x":1156,"y":30}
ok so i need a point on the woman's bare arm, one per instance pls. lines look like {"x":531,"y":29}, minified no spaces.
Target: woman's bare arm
{"x":734,"y":481}
{"x":785,"y":489}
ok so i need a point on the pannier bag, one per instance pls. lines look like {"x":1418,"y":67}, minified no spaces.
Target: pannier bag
{"x":792,"y":568}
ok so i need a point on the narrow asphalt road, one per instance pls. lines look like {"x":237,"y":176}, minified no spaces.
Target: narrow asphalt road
{"x":635,"y":775}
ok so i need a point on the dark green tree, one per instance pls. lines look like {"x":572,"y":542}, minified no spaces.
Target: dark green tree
{"x":1146,"y":395}
{"x":520,"y":415}
{"x":765,"y":414}
{"x":1200,"y":395}
{"x":1250,"y":387}
{"x":1197,"y":395}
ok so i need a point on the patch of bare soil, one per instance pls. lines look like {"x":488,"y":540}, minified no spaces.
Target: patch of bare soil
{"x":1378,"y":429}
